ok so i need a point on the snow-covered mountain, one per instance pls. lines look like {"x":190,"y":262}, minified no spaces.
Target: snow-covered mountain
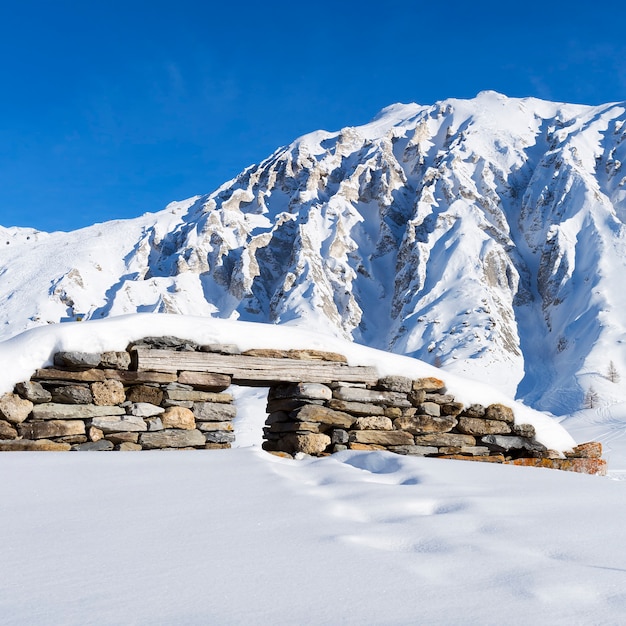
{"x":485,"y":235}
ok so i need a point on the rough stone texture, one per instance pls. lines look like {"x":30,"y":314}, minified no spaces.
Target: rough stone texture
{"x":416,"y":397}
{"x":355,"y":394}
{"x":51,"y":428}
{"x":430,"y":408}
{"x":479,"y":426}
{"x":118,"y":423}
{"x":383,"y":438}
{"x":214,"y":412}
{"x":56,"y":375}
{"x":429,"y":384}
{"x":500,"y":412}
{"x":225,"y":426}
{"x":187,"y":404}
{"x":289,"y":427}
{"x":413,"y":450}
{"x":373,"y":423}
{"x":154,"y":424}
{"x":7,"y":431}
{"x":439,"y":398}
{"x":356,"y":408}
{"x":71,"y":439}
{"x":129,"y":446}
{"x":493,"y":458}
{"x":115,"y":360}
{"x":145,"y":409}
{"x":445,"y":439}
{"x":172,"y":439}
{"x":353,"y":445}
{"x":197,"y":396}
{"x":221,"y":348}
{"x":423,"y":424}
{"x":108,"y":393}
{"x":14,"y":409}
{"x":136,"y":378}
{"x":339,"y":436}
{"x":33,"y":391}
{"x":580,"y":465}
{"x":102,"y":445}
{"x":80,"y":360}
{"x":524,"y":430}
{"x":308,"y":444}
{"x":145,"y":393}
{"x":451,"y":408}
{"x":205,"y":381}
{"x":165,"y":342}
{"x":590,"y":450}
{"x":51,"y":411}
{"x":118,"y":438}
{"x":400,"y":384}
{"x":308,"y":391}
{"x":393,"y":411}
{"x":506,"y":443}
{"x":95,"y":434}
{"x":219,"y":436}
{"x":72,"y":394}
{"x":37,"y":445}
{"x":314,"y":413}
{"x":178,"y":417}
{"x":474,"y":410}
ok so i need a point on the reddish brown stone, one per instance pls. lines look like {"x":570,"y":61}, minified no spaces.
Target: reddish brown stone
{"x":429,"y":384}
{"x":589,"y":450}
{"x":582,"y":466}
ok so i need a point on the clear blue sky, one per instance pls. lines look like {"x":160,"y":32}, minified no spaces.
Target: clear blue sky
{"x":109,"y":109}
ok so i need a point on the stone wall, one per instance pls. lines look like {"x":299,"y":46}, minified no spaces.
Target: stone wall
{"x":94,"y":402}
{"x":414,"y":417}
{"x":167,"y":393}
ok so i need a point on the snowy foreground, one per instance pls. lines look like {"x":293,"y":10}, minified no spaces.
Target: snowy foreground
{"x":243,"y":537}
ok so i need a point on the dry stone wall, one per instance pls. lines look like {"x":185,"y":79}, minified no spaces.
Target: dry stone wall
{"x":414,"y":417}
{"x":94,"y":402}
{"x":167,"y":393}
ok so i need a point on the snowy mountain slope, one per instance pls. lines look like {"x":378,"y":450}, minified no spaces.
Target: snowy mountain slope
{"x":484,"y":235}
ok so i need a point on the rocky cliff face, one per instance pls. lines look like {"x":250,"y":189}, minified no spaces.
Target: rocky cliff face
{"x":485,"y":235}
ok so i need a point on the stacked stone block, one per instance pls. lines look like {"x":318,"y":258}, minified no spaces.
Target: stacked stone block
{"x":94,"y":402}
{"x":414,"y":417}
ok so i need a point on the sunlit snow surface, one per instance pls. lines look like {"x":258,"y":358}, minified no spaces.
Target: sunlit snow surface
{"x":242,"y":537}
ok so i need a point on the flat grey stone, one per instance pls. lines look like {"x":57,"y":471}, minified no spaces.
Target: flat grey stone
{"x":82,"y":360}
{"x":145,"y":409}
{"x":387,"y":398}
{"x":33,"y":391}
{"x":96,"y":446}
{"x":117,"y":423}
{"x":415,"y":450}
{"x":52,"y":411}
{"x":219,"y":436}
{"x":310,"y":391}
{"x":401,"y":384}
{"x":214,"y":412}
{"x":172,"y":439}
{"x":72,"y":394}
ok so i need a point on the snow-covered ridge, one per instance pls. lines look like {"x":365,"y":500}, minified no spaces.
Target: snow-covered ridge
{"x":484,"y":235}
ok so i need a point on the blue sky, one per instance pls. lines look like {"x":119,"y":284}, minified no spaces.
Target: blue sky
{"x":111,"y":109}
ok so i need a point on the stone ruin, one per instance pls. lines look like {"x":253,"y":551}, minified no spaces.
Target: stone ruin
{"x":167,"y":393}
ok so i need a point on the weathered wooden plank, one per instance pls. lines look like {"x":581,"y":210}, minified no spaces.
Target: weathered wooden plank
{"x":252,"y":370}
